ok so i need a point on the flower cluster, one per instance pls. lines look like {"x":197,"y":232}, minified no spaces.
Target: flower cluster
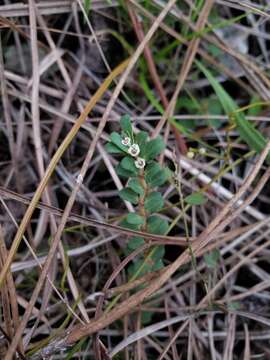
{"x":134,"y":150}
{"x":191,"y":152}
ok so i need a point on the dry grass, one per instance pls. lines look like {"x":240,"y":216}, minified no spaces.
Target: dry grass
{"x":65,"y":82}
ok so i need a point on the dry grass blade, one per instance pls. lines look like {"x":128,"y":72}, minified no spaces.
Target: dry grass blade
{"x":81,"y":119}
{"x":247,"y":343}
{"x":187,"y":63}
{"x":9,"y":298}
{"x":45,"y":8}
{"x":181,"y":241}
{"x":173,"y":339}
{"x":153,"y":71}
{"x":145,"y":332}
{"x":228,"y":353}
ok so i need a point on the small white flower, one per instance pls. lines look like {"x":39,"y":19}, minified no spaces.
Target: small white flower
{"x":202,"y":151}
{"x":134,"y":150}
{"x":190,"y":154}
{"x":140,"y":163}
{"x":126,"y":141}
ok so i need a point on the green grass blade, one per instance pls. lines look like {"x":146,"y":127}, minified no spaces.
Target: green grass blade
{"x":247,"y":131}
{"x":156,"y":104}
{"x":87,"y":6}
{"x":149,"y":94}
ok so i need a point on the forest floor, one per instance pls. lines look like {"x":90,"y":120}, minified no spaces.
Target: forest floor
{"x":134,"y":179}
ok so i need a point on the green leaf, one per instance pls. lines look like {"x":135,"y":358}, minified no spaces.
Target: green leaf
{"x":212,"y":258}
{"x":214,"y":108}
{"x":116,"y":139}
{"x":149,"y":94}
{"x":146,"y":317}
{"x":256,"y":107}
{"x":158,"y":264}
{"x":123,"y":172}
{"x":113,"y":149}
{"x":129,"y":195}
{"x":127,"y":163}
{"x":135,"y":242}
{"x":137,"y":265}
{"x":136,"y":219}
{"x":126,"y":126}
{"x":153,"y":202}
{"x":127,"y":225}
{"x":153,"y":148}
{"x":236,"y":305}
{"x":214,"y":50}
{"x":155,"y":175}
{"x":157,"y":225}
{"x":189,"y":124}
{"x":136,"y":186}
{"x":189,"y":104}
{"x":141,"y":140}
{"x":196,"y":199}
{"x":158,"y":254}
{"x":151,"y":170}
{"x":247,"y":131}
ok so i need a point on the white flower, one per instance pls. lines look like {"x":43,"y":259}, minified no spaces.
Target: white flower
{"x":140,"y":163}
{"x":190,"y":154}
{"x":134,"y":150}
{"x":202,"y":151}
{"x":126,"y":141}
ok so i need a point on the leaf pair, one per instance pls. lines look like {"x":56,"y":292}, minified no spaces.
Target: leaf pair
{"x":153,"y":202}
{"x":155,"y":175}
{"x":155,"y":225}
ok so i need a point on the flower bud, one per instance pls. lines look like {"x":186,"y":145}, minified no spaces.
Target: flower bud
{"x":126,"y":141}
{"x":190,"y":154}
{"x":140,"y":163}
{"x":202,"y":151}
{"x":134,"y":150}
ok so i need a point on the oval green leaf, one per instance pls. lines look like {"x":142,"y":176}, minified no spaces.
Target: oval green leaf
{"x":154,"y":202}
{"x":129,"y":195}
{"x":135,"y":219}
{"x":196,"y":199}
{"x":136,"y":186}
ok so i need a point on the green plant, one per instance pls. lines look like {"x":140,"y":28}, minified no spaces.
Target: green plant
{"x":144,"y":175}
{"x":247,"y":131}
